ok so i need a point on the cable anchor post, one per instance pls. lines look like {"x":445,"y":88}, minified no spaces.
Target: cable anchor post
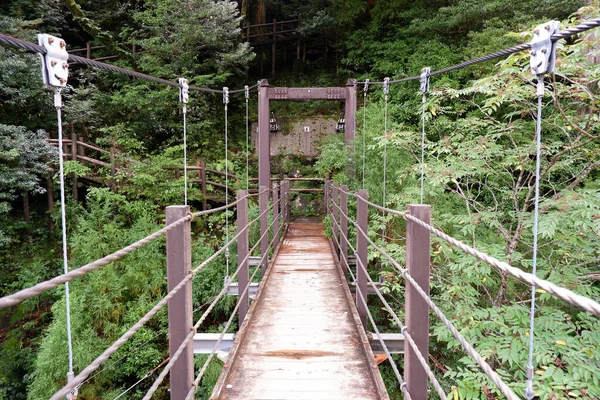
{"x":184,"y":93}
{"x":543,"y":52}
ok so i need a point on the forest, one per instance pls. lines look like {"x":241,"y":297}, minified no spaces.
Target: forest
{"x":479,"y":175}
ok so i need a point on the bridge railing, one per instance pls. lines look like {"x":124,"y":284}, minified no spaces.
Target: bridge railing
{"x":416,"y":274}
{"x":180,"y":275}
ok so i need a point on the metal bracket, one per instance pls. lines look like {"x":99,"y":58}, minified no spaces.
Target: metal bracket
{"x":247,"y":91}
{"x":55,"y":67}
{"x":543,"y":50}
{"x":386,"y":86}
{"x":366,"y":88}
{"x":225,"y":95}
{"x":184,"y":90}
{"x":425,"y":80}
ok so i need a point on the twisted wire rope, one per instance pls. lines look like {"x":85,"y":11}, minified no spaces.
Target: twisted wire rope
{"x":403,"y":328}
{"x":194,"y":330}
{"x":487,"y":369}
{"x":131,"y":331}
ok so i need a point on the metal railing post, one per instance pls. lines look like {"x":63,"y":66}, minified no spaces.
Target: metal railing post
{"x":275,"y":216}
{"x":361,"y":254}
{"x":242,"y":246}
{"x":282,"y":198}
{"x":335,"y":214}
{"x":344,"y":228}
{"x":417,"y":311}
{"x":179,"y":263}
{"x":263,"y":202}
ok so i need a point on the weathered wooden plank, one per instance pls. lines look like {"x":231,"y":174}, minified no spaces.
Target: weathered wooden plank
{"x":301,"y":340}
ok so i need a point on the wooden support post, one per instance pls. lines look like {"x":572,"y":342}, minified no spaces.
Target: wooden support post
{"x":344,"y":228}
{"x":275,"y":216}
{"x":274,"y":48}
{"x":283,"y":199}
{"x":263,"y":202}
{"x":334,"y":211}
{"x":243,"y":275}
{"x":203,"y":183}
{"x":417,"y":311}
{"x":179,"y":262}
{"x":74,"y":158}
{"x":81,"y":149}
{"x":288,"y":202}
{"x":361,"y":256}
{"x":88,"y":52}
{"x":177,"y":174}
{"x":327,"y":184}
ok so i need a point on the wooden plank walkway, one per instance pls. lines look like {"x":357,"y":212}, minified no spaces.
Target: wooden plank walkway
{"x":301,"y":339}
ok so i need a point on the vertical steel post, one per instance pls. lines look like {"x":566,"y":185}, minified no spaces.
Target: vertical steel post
{"x":263,"y":202}
{"x":179,"y":262}
{"x":283,"y":201}
{"x":264,"y":162}
{"x":344,"y":228}
{"x":275,"y":216}
{"x":334,"y":211}
{"x":417,"y":310}
{"x":361,"y":255}
{"x":242,"y":246}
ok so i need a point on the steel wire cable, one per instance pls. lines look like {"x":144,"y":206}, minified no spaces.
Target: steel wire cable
{"x":35,"y":48}
{"x":148,"y":374}
{"x":402,"y":327}
{"x":493,"y":375}
{"x":565,"y":294}
{"x":117,"y":344}
{"x":579,"y":28}
{"x":190,"y":336}
{"x":192,"y":391}
{"x":538,"y":156}
{"x":41,"y":287}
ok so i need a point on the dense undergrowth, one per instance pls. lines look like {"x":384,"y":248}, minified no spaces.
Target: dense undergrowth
{"x":479,"y":164}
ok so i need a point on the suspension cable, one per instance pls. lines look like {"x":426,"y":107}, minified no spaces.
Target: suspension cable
{"x":538,"y":157}
{"x":63,"y":219}
{"x":116,"y":345}
{"x":226,"y":103}
{"x":582,"y":27}
{"x":247,"y":95}
{"x":424,"y":90}
{"x":364,"y":138}
{"x":386,"y":90}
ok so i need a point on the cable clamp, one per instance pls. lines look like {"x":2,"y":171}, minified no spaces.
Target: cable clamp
{"x":184,"y":91}
{"x":247,"y":91}
{"x":404,"y":329}
{"x":403,"y":386}
{"x":55,"y":67}
{"x":227,"y":281}
{"x":425,"y":80}
{"x":543,"y":50}
{"x":225,"y":95}
{"x":366,"y":87}
{"x":386,"y":86}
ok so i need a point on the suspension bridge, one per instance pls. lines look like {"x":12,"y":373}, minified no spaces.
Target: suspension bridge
{"x":305,"y":332}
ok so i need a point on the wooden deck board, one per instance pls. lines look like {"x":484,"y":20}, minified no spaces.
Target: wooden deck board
{"x":301,"y":341}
